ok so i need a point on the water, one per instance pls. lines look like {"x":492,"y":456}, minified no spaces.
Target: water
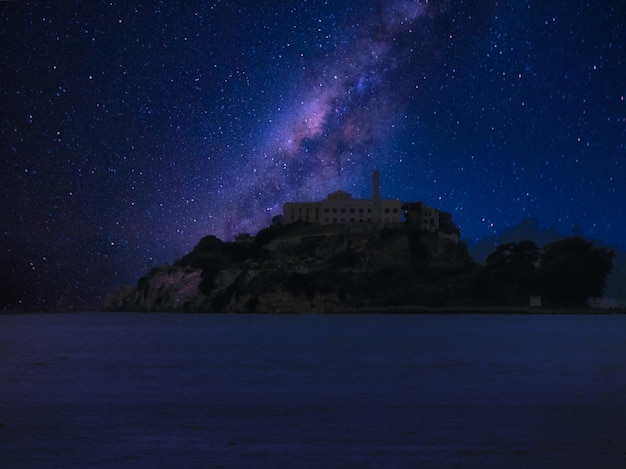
{"x":173,"y":390}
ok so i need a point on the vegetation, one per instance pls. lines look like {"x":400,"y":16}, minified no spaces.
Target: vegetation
{"x":565,"y":273}
{"x":574,"y":270}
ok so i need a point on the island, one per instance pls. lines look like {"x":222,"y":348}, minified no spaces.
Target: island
{"x":343,"y":254}
{"x":310,"y":267}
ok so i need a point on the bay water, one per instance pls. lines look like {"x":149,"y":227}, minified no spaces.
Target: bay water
{"x":285,"y":391}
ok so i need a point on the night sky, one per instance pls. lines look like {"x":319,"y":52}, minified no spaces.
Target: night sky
{"x":129,"y":132}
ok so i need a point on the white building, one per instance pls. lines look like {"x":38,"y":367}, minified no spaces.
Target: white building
{"x":340,"y":208}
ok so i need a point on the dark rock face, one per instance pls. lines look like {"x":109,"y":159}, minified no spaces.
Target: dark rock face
{"x":307,"y":268}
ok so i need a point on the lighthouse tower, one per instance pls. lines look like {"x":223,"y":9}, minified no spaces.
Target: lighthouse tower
{"x":376,"y":197}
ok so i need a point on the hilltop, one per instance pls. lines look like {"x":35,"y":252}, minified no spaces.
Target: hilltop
{"x":307,"y":267}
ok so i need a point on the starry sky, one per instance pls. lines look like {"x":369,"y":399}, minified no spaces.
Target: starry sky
{"x":128,"y":132}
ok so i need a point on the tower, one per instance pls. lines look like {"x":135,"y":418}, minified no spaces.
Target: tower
{"x":376,"y":196}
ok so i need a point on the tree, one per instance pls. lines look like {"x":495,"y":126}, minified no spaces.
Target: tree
{"x":517,"y":257}
{"x":511,"y":272}
{"x":574,"y":270}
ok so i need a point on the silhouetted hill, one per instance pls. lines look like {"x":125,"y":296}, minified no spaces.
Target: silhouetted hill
{"x":304,"y":267}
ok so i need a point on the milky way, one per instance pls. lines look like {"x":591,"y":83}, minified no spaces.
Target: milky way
{"x":329,"y":135}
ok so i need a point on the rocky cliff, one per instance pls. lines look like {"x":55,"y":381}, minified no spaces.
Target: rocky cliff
{"x":307,"y":268}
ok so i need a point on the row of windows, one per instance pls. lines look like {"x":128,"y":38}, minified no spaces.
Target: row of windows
{"x":353,"y":220}
{"x":344,"y":210}
{"x":361,"y":210}
{"x":327,"y":220}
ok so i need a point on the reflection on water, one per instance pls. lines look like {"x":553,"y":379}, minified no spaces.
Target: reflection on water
{"x":162,"y":390}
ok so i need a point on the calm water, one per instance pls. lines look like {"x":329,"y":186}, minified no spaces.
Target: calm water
{"x":172,"y":390}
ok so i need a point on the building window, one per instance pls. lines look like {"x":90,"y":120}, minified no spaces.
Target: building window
{"x":386,"y":210}
{"x":395,"y":210}
{"x":343,"y":210}
{"x":326,"y":210}
{"x":334,"y":210}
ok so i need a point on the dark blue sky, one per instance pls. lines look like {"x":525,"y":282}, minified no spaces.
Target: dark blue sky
{"x":129,"y":132}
